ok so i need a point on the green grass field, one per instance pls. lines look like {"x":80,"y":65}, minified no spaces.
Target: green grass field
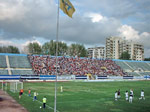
{"x":86,"y":96}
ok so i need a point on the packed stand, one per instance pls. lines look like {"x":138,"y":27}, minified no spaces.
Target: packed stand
{"x":46,"y":65}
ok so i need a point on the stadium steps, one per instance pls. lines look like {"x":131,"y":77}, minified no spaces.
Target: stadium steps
{"x":128,"y":65}
{"x":8,"y":65}
{"x":148,"y":64}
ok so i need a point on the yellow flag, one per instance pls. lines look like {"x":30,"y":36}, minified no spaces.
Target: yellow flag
{"x":67,"y":7}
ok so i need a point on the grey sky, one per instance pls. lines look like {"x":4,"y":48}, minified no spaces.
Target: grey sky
{"x":93,"y":21}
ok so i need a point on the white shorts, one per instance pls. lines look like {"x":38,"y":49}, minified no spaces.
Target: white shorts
{"x":130,"y":97}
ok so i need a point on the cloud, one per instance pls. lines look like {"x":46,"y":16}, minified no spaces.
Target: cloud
{"x":9,"y":10}
{"x":131,"y":34}
{"x":27,"y":18}
{"x":33,"y":41}
{"x":128,"y":32}
{"x":111,"y":8}
{"x":83,"y":30}
{"x":95,"y":17}
{"x":20,"y":46}
{"x":92,"y":22}
{"x":4,"y":43}
{"x":10,"y":43}
{"x":39,"y":20}
{"x":144,"y":39}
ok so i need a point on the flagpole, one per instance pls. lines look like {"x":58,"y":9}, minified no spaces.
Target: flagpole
{"x":57,"y":32}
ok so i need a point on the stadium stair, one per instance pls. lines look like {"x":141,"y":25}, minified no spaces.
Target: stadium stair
{"x":128,"y":65}
{"x":8,"y":65}
{"x":148,"y":64}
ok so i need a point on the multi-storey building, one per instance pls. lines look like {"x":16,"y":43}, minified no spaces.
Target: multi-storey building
{"x":112,"y":47}
{"x":137,"y":52}
{"x":96,"y":52}
{"x":115,"y":46}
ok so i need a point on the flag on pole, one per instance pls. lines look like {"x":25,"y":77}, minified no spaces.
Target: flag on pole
{"x":67,"y":7}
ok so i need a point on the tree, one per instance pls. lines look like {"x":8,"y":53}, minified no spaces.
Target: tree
{"x":49,"y":48}
{"x":147,"y":59}
{"x":9,"y":49}
{"x":77,"y":50}
{"x":125,"y":56}
{"x":46,"y":48}
{"x":13,"y":49}
{"x":34,"y":48}
{"x":62,"y":48}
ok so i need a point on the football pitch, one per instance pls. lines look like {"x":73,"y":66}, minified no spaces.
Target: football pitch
{"x":86,"y":96}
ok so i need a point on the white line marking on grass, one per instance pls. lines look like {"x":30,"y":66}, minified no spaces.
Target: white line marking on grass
{"x":42,"y":103}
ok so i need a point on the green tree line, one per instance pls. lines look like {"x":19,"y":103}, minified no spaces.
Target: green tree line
{"x":49,"y":48}
{"x":9,"y":49}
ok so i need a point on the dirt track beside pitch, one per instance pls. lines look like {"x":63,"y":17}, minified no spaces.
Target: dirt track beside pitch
{"x":8,"y":104}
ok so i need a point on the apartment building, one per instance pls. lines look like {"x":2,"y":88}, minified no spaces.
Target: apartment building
{"x":96,"y":52}
{"x":115,"y":46}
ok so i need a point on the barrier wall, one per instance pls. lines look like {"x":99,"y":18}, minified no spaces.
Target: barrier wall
{"x":47,"y":77}
{"x":81,"y":77}
{"x":53,"y":77}
{"x":9,"y":77}
{"x":127,"y":77}
{"x":130,"y":61}
{"x":10,"y":54}
{"x":102,"y":77}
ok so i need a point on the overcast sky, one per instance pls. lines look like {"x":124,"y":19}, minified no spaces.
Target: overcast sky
{"x":23,"y":21}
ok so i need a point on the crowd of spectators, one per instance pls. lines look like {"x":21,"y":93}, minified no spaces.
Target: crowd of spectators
{"x":46,"y":65}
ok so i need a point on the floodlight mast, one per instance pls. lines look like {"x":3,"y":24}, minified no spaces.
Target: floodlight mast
{"x":57,"y":35}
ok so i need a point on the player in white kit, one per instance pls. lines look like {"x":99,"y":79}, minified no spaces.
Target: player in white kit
{"x":126,"y":95}
{"x":142,"y":95}
{"x":130,"y":97}
{"x":116,"y":95}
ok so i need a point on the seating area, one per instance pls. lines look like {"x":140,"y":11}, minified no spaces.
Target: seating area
{"x":3,"y":61}
{"x":133,"y":74}
{"x":22,"y":72}
{"x":19,"y":62}
{"x":46,"y":65}
{"x":123,"y":65}
{"x":139,"y":65}
{"x":134,"y":65}
{"x":145,"y":73}
{"x":3,"y":72}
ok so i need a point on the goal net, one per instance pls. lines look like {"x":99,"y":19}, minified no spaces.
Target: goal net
{"x":16,"y":86}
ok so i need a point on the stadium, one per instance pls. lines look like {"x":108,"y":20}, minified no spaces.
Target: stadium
{"x":74,"y":56}
{"x":81,"y":93}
